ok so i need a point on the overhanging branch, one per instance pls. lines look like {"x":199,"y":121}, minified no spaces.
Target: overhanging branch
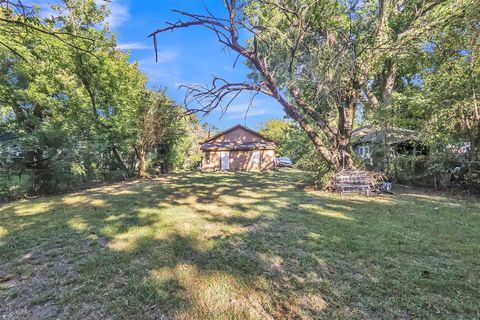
{"x":220,"y":94}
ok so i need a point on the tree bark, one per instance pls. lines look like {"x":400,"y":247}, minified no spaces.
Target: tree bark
{"x":474,"y":138}
{"x":475,"y":135}
{"x":120,"y":162}
{"x":346,"y":119}
{"x":292,"y":111}
{"x":142,"y":163}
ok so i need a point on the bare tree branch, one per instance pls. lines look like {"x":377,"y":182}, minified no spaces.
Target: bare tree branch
{"x":222,"y":93}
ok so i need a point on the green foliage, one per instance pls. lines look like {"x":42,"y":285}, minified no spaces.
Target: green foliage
{"x":292,"y":142}
{"x":195,"y":134}
{"x":166,"y":134}
{"x":437,"y":95}
{"x":281,"y":132}
{"x":73,"y":102}
{"x":328,"y":56}
{"x":472,"y":176}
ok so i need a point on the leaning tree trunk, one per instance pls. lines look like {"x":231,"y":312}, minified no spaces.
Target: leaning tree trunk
{"x":120,"y":162}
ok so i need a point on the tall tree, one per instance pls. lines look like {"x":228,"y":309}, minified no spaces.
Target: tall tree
{"x":86,"y":91}
{"x":162,"y":125}
{"x":451,"y":83}
{"x":319,"y":59}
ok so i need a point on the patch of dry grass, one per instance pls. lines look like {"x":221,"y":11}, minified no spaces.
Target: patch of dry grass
{"x":238,"y":246}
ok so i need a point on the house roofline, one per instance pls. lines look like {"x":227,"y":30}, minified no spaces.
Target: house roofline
{"x":370,"y":129}
{"x":391,"y":135}
{"x":233,"y":128}
{"x":238,"y":148}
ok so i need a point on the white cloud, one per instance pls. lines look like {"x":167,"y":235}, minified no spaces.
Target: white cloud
{"x":132,"y":46}
{"x":166,"y":56}
{"x":163,"y":56}
{"x":239,"y":107}
{"x":251,"y":113}
{"x":119,"y":13}
{"x":238,"y":111}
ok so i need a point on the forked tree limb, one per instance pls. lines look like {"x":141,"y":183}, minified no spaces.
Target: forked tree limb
{"x":220,"y":94}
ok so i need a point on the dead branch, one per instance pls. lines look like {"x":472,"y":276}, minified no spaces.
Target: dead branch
{"x":222,"y":93}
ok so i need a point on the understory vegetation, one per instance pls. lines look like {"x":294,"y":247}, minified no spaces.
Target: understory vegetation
{"x":292,"y":142}
{"x":332,"y":65}
{"x":73,"y":108}
{"x":239,"y":246}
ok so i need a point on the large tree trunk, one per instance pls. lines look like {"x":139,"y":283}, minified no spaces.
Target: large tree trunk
{"x":473,"y":147}
{"x":41,"y":174}
{"x":142,"y":163}
{"x":344,"y":155}
{"x":346,"y":119}
{"x":337,"y":149}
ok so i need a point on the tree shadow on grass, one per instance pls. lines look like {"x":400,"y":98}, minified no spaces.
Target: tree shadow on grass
{"x":243,"y":245}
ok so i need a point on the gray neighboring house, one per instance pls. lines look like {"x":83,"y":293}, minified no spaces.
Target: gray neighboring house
{"x":398,"y":140}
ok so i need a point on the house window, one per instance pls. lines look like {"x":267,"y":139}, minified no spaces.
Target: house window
{"x":364,"y":151}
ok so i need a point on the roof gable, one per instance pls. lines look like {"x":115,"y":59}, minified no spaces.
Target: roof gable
{"x":238,"y":134}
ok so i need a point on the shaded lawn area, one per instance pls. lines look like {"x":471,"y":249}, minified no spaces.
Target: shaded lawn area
{"x":238,"y":246}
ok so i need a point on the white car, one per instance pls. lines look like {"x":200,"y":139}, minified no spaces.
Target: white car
{"x":284,"y":162}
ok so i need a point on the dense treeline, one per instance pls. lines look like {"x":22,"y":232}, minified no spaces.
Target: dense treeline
{"x":401,"y":63}
{"x":436,"y":94}
{"x":321,"y":60}
{"x":74,"y":109}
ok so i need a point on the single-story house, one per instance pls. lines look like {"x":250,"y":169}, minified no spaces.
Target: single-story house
{"x":238,"y":148}
{"x":365,"y":139}
{"x":378,"y":146}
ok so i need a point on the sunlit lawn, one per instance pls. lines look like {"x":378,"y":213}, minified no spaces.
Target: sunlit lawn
{"x":238,"y":246}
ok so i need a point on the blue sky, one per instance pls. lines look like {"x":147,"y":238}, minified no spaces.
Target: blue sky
{"x":186,"y":56}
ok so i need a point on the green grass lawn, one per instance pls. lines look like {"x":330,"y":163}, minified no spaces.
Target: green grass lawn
{"x":239,"y":246}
